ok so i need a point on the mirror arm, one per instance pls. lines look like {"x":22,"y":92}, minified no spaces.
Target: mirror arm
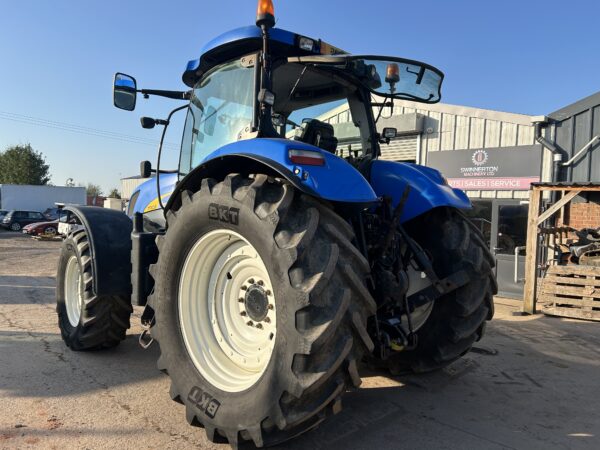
{"x":160,"y":146}
{"x":382,"y":104}
{"x":177,"y":95}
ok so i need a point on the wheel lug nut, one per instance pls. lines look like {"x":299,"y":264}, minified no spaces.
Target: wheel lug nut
{"x":261,"y":282}
{"x":241,"y":300}
{"x":267,"y":320}
{"x":243,"y":313}
{"x":244,"y":288}
{"x":251,"y":281}
{"x":259,"y":326}
{"x":270,"y":306}
{"x":250,"y":323}
{"x":268,"y":292}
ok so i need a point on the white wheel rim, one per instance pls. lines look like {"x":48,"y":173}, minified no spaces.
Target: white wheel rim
{"x":223,"y":282}
{"x":73,"y":294}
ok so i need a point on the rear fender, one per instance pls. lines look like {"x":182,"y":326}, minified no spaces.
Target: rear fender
{"x":109,"y":235}
{"x":336,"y":181}
{"x":429,"y":188}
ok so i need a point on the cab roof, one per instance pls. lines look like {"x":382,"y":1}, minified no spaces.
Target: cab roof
{"x":242,"y":41}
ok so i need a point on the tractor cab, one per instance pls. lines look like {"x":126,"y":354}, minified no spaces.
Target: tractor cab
{"x":227,"y":105}
{"x":262,"y":82}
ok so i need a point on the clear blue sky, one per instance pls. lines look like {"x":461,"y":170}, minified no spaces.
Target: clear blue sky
{"x":58,"y":59}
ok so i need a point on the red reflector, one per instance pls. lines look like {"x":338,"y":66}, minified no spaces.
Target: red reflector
{"x":307,"y":158}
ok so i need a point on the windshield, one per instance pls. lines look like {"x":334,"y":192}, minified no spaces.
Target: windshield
{"x":320,"y":109}
{"x":387,"y":76}
{"x":221,"y":108}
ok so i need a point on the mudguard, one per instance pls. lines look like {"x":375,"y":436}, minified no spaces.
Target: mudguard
{"x":429,"y":188}
{"x":335,"y":181}
{"x":109,"y":234}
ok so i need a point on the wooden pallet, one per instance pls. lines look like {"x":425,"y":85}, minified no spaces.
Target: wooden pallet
{"x":571,"y":291}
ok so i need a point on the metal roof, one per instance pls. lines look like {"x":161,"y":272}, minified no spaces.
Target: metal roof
{"x":575,"y":108}
{"x":582,"y":184}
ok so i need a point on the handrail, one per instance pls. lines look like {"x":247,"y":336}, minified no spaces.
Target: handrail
{"x":583,"y":149}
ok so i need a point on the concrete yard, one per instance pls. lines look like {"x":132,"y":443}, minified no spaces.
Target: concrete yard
{"x":532,"y":383}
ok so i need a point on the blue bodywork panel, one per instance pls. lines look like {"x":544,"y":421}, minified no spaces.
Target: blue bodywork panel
{"x":428,"y":188}
{"x":336,"y":180}
{"x":244,"y":40}
{"x":147,"y":199}
{"x":249,"y":32}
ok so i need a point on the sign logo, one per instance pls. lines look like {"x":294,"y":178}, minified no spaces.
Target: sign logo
{"x":479,"y":157}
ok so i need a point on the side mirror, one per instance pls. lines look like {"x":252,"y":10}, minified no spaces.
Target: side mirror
{"x":145,"y":169}
{"x":147,"y":122}
{"x":389,"y":133}
{"x":124,"y":92}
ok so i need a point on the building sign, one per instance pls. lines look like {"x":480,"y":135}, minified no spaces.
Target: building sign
{"x":490,"y":169}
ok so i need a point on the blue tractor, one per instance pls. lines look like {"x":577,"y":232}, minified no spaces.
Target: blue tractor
{"x":275,"y":260}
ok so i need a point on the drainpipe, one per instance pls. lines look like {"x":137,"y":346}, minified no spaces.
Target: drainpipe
{"x":558,"y":155}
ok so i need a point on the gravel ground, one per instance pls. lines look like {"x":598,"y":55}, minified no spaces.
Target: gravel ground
{"x":533,"y":382}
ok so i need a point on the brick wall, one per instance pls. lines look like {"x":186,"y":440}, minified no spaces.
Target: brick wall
{"x":583,"y":215}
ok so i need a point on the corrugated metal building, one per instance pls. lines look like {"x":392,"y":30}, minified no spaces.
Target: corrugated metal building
{"x":575,"y":131}
{"x":129,"y":184}
{"x":425,"y":130}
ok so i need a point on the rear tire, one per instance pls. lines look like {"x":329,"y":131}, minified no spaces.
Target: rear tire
{"x":319,"y":297}
{"x":16,"y":226}
{"x":50,"y":231}
{"x":458,"y":318}
{"x":86,"y":321}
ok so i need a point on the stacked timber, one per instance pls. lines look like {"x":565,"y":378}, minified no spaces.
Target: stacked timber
{"x":571,"y":291}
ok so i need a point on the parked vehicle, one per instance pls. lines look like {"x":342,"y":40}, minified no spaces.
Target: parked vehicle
{"x":270,"y":267}
{"x":3,"y":213}
{"x":15,"y":220}
{"x":36,"y":229}
{"x":52,"y":213}
{"x":68,"y":223}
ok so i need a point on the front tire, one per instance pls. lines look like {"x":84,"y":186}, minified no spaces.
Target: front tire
{"x":318,"y":318}
{"x":16,"y":226}
{"x":87,"y":321}
{"x":458,"y":318}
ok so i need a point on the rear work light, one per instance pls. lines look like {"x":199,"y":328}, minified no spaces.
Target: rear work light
{"x":306,"y":43}
{"x":306,"y":158}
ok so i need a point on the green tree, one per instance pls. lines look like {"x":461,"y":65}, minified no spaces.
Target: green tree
{"x":93,"y":190}
{"x":21,"y":164}
{"x":114,"y":193}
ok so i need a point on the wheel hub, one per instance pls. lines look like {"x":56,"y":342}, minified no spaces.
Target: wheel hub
{"x":227,"y":310}
{"x":256,"y":303}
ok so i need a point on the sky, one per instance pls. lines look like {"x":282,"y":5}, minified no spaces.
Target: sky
{"x":58,"y":58}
